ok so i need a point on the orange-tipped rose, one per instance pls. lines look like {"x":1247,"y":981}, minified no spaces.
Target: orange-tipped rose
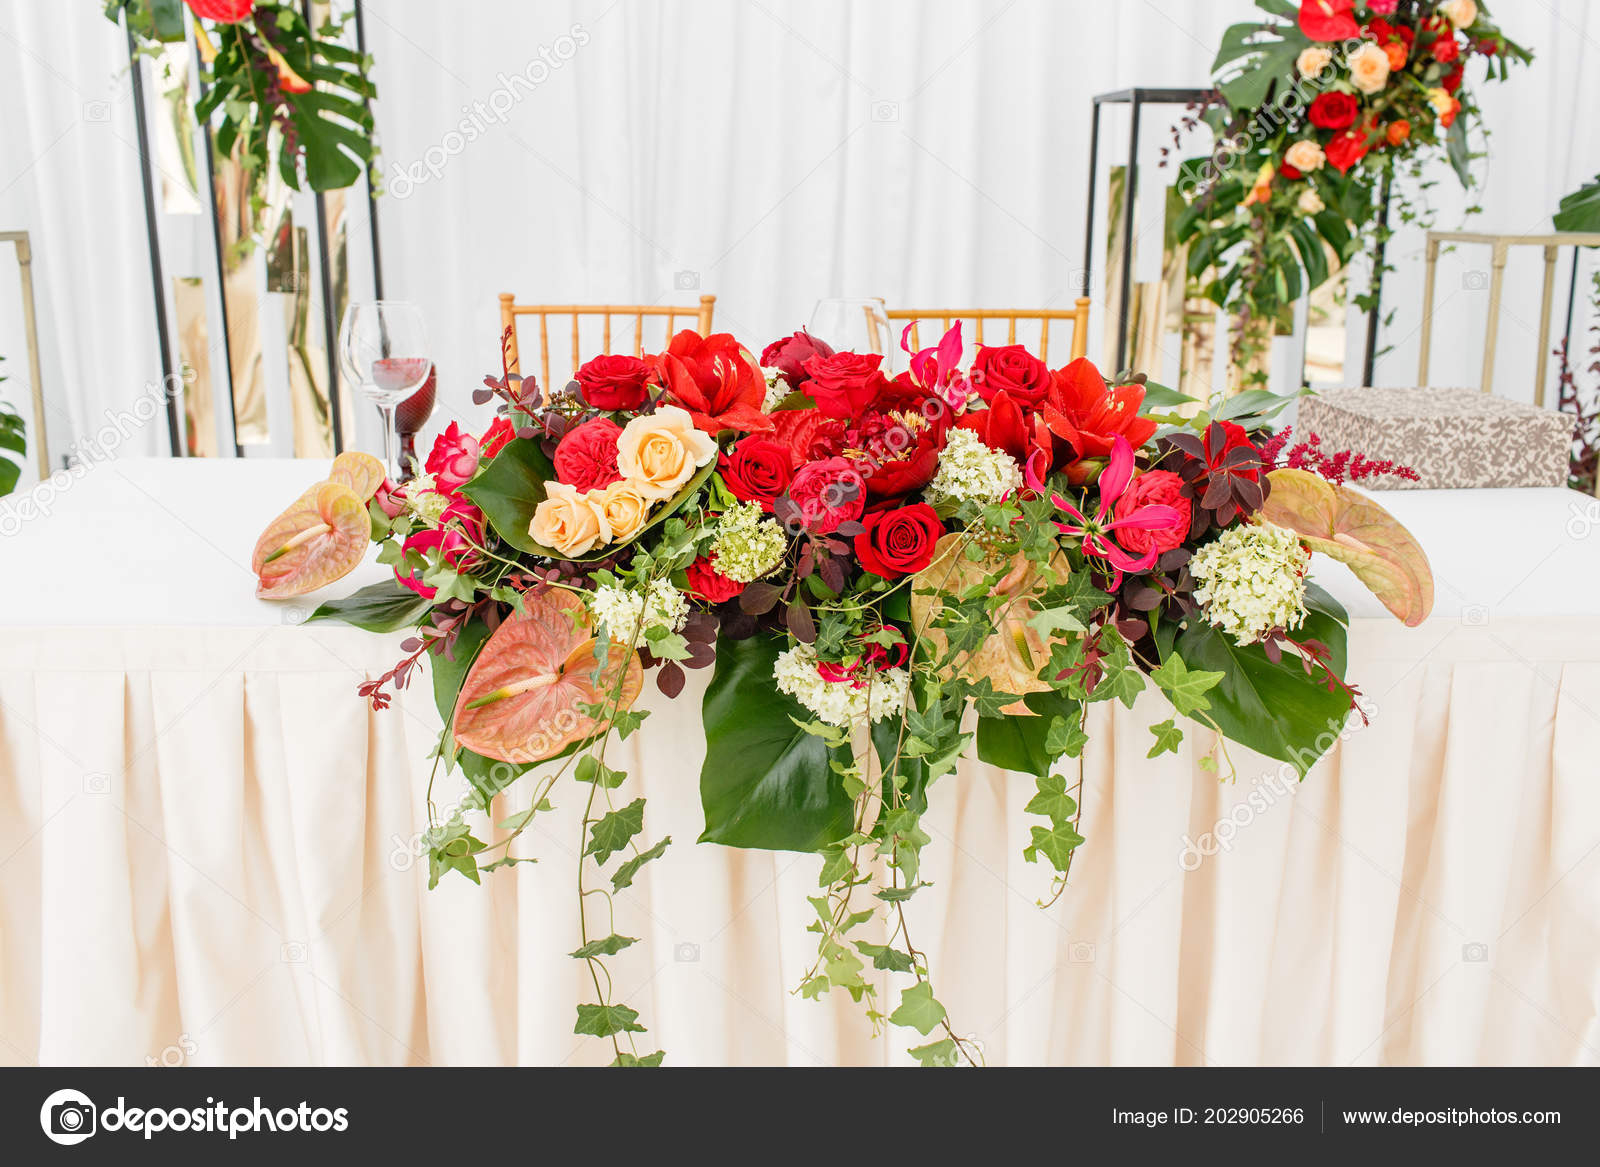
{"x":1398,"y":132}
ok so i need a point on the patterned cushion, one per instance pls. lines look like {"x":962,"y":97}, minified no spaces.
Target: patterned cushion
{"x":1452,"y":438}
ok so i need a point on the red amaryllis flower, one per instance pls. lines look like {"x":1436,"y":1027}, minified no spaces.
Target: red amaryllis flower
{"x":789,"y":356}
{"x":222,"y":11}
{"x":453,"y":459}
{"x":458,"y":536}
{"x":494,"y":438}
{"x":1328,"y":20}
{"x":844,"y":385}
{"x":757,"y":469}
{"x":1010,"y":369}
{"x":1000,"y":427}
{"x":710,"y":584}
{"x":1160,"y":520}
{"x":1334,"y":111}
{"x":899,"y":542}
{"x":1346,"y":149}
{"x":716,"y":380}
{"x":1089,"y":416}
{"x":586,"y":459}
{"x":614,"y":382}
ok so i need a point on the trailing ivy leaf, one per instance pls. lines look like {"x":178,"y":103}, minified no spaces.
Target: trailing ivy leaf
{"x":610,"y":946}
{"x":1056,"y":843}
{"x":589,"y":769}
{"x":647,"y":1060}
{"x":766,"y":783}
{"x":937,"y":1054}
{"x":624,"y":874}
{"x":885,"y":957}
{"x":605,"y":1020}
{"x":1052,"y":801}
{"x":386,"y":606}
{"x":898,"y":895}
{"x":1168,"y":738}
{"x":1184,"y":688}
{"x":612,"y":832}
{"x":918,"y":1010}
{"x":1066,"y":737}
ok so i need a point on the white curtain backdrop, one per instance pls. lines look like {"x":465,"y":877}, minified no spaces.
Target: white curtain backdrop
{"x":769,"y":151}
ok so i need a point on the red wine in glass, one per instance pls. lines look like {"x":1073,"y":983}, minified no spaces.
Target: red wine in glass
{"x":409,"y":418}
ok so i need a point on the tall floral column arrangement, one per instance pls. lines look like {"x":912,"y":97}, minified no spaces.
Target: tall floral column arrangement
{"x":1321,"y":109}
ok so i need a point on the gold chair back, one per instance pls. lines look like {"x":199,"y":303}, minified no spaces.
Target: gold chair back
{"x":1078,"y":315}
{"x":509,"y":311}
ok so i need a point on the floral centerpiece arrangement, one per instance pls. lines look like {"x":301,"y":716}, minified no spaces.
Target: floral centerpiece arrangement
{"x":1320,"y":106}
{"x":885,"y":574}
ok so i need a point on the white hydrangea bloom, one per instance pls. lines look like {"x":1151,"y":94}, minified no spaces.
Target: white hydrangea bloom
{"x":747,"y":544}
{"x":423,"y":499}
{"x":970,"y":471}
{"x":1252,"y":579}
{"x":618,"y":609}
{"x":840,"y":702}
{"x":777,"y":390}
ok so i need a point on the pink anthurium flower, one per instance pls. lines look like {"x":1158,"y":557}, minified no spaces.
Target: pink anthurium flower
{"x":1097,"y":532}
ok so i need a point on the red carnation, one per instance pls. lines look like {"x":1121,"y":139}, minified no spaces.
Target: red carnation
{"x":710,"y":584}
{"x":844,"y":384}
{"x":586,"y":459}
{"x":1334,"y":111}
{"x":899,"y":542}
{"x":614,"y":382}
{"x":808,"y":434}
{"x":757,"y":470}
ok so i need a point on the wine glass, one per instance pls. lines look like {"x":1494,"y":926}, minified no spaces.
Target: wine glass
{"x":383,"y":345}
{"x":860,"y":326}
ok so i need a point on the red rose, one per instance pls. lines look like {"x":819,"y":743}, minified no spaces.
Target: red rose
{"x":587,"y":457}
{"x":1452,"y":81}
{"x":710,"y":584}
{"x":1328,"y":20}
{"x":494,"y":438}
{"x":1346,"y":149}
{"x":789,"y":356}
{"x":1334,"y":111}
{"x":716,"y":380}
{"x":1010,"y":369}
{"x":844,"y":384}
{"x":899,"y":542}
{"x":808,"y":434}
{"x":1445,"y":50}
{"x":828,"y":493}
{"x":458,"y":536}
{"x":1154,"y":487}
{"x":614,"y":382}
{"x":757,"y":470}
{"x":391,"y":499}
{"x":453,"y":459}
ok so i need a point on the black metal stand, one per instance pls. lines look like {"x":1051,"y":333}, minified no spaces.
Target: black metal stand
{"x":1375,"y":313}
{"x":1136,"y":98}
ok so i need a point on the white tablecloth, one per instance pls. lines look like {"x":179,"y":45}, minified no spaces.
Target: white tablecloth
{"x":205,"y":838}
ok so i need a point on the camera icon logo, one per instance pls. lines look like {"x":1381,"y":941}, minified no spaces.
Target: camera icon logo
{"x":1476,"y":952}
{"x":886,"y":111}
{"x":68,"y":1117}
{"x":97,"y":111}
{"x":1081,"y":952}
{"x":1475,"y":616}
{"x":686,"y":953}
{"x":293,"y":952}
{"x":293,"y":614}
{"x":686,"y":281}
{"x":1475,"y":281}
{"x":96,"y":783}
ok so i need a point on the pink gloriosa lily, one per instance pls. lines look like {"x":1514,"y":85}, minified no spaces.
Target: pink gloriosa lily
{"x":1097,"y":532}
{"x":937,"y":370}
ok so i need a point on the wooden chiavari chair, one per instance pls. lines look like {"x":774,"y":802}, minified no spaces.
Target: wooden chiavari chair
{"x":1079,"y":315}
{"x":510,"y":310}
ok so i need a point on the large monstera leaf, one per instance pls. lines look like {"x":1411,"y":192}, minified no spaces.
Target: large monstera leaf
{"x":1010,"y":659}
{"x":523,"y":700}
{"x":1359,"y":533}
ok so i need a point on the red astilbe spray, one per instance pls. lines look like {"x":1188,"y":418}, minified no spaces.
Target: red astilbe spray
{"x":1339,"y":468}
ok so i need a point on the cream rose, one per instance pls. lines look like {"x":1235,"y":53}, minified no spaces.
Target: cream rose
{"x":1305,"y":156}
{"x":1313,"y":61}
{"x":564,"y":521}
{"x":1369,"y":68}
{"x":1441,"y":101}
{"x":660,"y":452}
{"x":1310,"y":203}
{"x":1462,"y":13}
{"x":620,"y":509}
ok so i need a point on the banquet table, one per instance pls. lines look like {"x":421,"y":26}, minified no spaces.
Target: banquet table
{"x":208,"y":841}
